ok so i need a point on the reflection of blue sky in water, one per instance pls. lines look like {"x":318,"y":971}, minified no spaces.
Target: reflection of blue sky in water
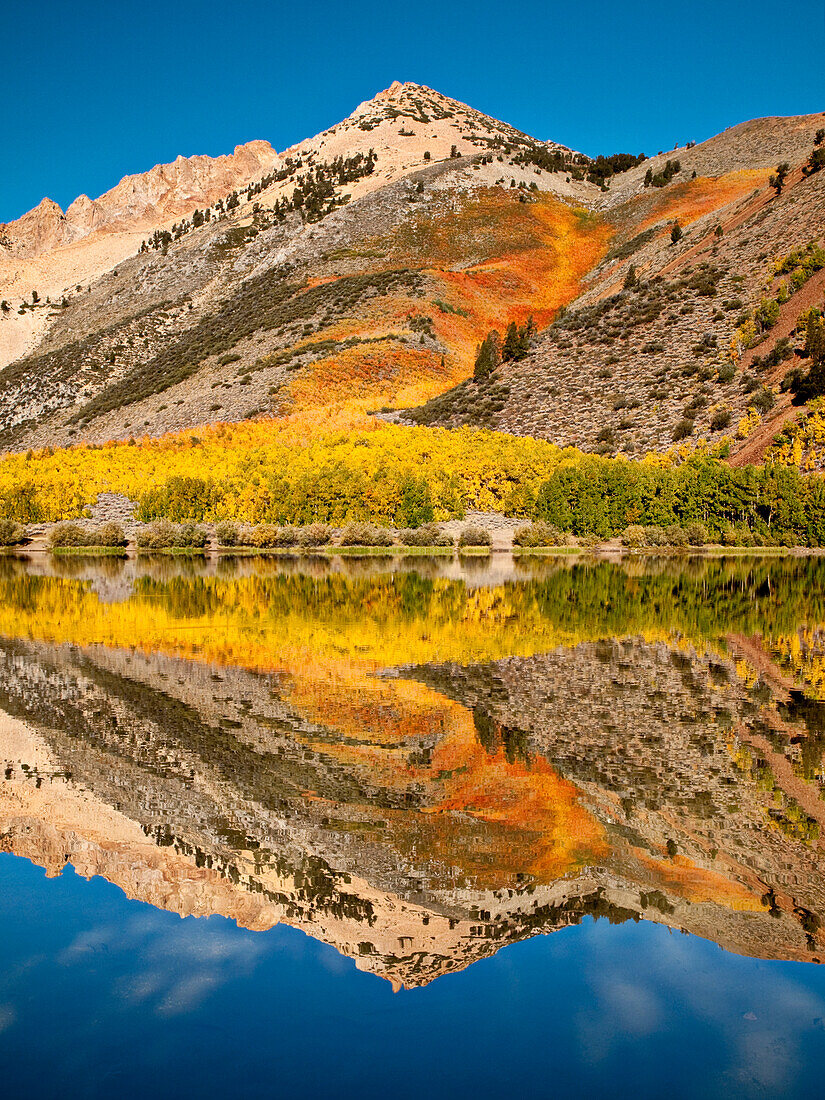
{"x":96,"y":987}
{"x":178,"y":970}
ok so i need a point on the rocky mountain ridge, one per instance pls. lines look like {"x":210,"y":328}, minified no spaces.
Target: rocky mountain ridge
{"x":63,"y":256}
{"x":358,"y":272}
{"x":141,"y":202}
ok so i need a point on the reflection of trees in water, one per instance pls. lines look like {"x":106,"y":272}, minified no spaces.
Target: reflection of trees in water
{"x":494,"y":736}
{"x":702,"y":599}
{"x":643,"y":726}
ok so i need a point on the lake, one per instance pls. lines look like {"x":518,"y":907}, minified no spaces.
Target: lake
{"x":349,"y":827}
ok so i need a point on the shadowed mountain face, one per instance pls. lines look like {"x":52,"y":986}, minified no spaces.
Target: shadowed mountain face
{"x":422,"y":769}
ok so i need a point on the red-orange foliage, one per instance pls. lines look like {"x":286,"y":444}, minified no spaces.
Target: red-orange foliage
{"x":491,"y":259}
{"x":685,"y":202}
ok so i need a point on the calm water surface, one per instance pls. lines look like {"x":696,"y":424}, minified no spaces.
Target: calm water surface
{"x":369,"y":828}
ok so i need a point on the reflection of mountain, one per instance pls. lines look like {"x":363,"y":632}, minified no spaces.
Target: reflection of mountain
{"x":421,"y":819}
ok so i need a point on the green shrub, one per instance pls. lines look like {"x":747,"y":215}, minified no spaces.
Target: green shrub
{"x":634,"y":537}
{"x":720,"y":420}
{"x":682,"y":430}
{"x":766,"y":314}
{"x":163,"y":535}
{"x":366,"y":534}
{"x":763,"y":400}
{"x":798,"y":278}
{"x":264,"y":536}
{"x":11,"y":533}
{"x":317,"y":534}
{"x":156,"y":536}
{"x":655,"y":536}
{"x":475,"y":536}
{"x":227,"y":533}
{"x":674,"y":535}
{"x":69,"y":534}
{"x":428,"y":534}
{"x":111,"y":534}
{"x":726,"y":373}
{"x":189,"y":536}
{"x":72,"y":534}
{"x":792,"y":379}
{"x":696,"y":534}
{"x":539,"y":534}
{"x":288,"y":536}
{"x":268,"y":536}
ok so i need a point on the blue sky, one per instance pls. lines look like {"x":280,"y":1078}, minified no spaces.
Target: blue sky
{"x":92,"y":91}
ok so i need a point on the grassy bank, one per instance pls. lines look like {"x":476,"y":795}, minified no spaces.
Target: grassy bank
{"x":88,"y":551}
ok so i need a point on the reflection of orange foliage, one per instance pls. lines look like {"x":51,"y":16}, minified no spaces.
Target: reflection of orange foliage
{"x":691,"y":200}
{"x":550,"y":832}
{"x":512,"y":817}
{"x":681,"y":876}
{"x":378,"y":720}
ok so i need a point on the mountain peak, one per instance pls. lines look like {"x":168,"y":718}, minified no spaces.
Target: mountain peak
{"x":399,"y":88}
{"x":47,"y":206}
{"x":393,"y":89}
{"x":407,"y":125}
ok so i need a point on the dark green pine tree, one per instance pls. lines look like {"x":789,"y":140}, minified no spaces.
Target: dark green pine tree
{"x":488,"y":357}
{"x":812,"y":384}
{"x":512,"y":342}
{"x":777,"y":181}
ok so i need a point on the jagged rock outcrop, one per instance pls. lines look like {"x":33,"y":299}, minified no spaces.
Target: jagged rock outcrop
{"x":140,"y":202}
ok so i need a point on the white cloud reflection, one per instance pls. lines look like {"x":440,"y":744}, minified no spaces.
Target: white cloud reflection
{"x":756,"y":1011}
{"x":177,"y":963}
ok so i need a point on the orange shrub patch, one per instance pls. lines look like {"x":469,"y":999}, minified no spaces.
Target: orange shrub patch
{"x":685,"y":202}
{"x":389,"y":373}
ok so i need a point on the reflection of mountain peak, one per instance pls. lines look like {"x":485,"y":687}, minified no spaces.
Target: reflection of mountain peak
{"x":421,"y":821}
